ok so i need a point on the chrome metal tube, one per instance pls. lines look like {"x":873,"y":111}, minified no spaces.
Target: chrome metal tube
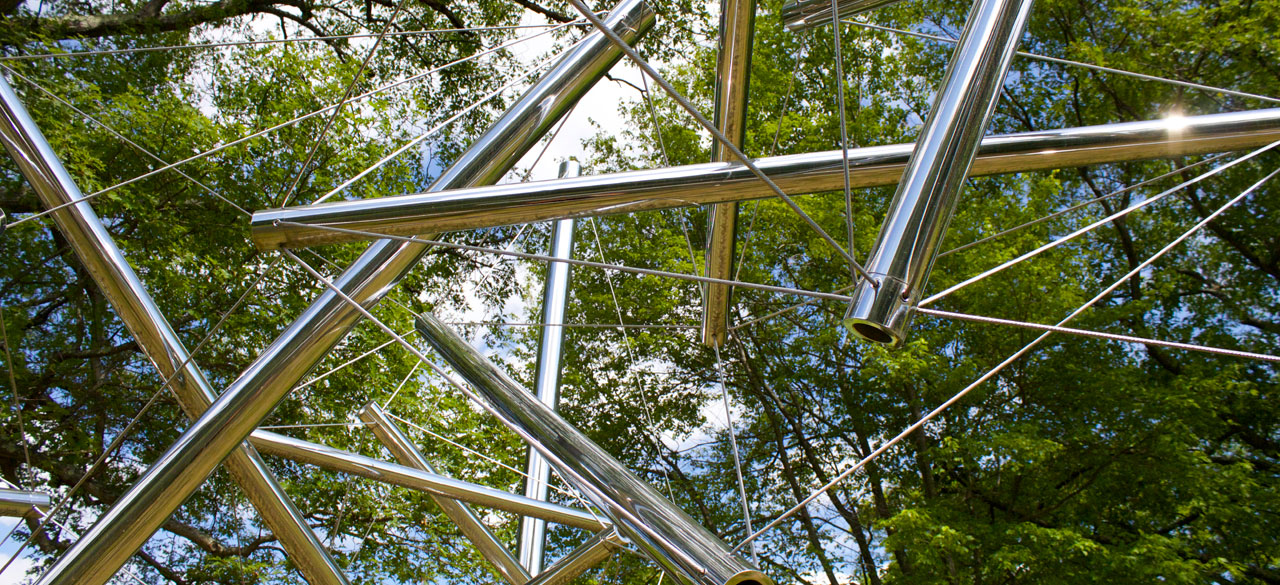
{"x":802,"y":15}
{"x":733,"y":77}
{"x":22,"y":503}
{"x":907,"y":245}
{"x":555,"y":297}
{"x":394,"y":439}
{"x":326,"y":457}
{"x":589,"y":554}
{"x":95,"y":248}
{"x":659,"y":529}
{"x":875,"y":166}
{"x":177,"y":473}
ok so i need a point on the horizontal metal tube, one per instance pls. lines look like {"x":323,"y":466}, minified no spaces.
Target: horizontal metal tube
{"x":803,"y":15}
{"x":589,"y":554}
{"x":394,"y":439}
{"x":658,"y":528}
{"x":21,"y":503}
{"x":113,"y":275}
{"x":700,"y":184}
{"x":341,"y":461}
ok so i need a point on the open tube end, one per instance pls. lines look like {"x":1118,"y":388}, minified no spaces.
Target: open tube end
{"x":750,"y":578}
{"x":880,"y":314}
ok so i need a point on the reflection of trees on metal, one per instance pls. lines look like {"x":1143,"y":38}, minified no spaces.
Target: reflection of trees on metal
{"x":1139,"y":445}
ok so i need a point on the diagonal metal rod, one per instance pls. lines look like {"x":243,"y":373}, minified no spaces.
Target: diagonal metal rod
{"x":717,"y":134}
{"x":184,"y":467}
{"x":1060,"y":61}
{"x":907,"y":244}
{"x":112,"y":273}
{"x":1086,"y":229}
{"x":1009,"y":360}
{"x":394,"y":439}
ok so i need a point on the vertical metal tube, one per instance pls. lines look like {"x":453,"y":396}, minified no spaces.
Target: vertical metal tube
{"x":660,"y":530}
{"x":468,"y":522}
{"x":591,"y":553}
{"x":104,"y":548}
{"x":124,"y":290}
{"x":733,"y":75}
{"x":907,"y":244}
{"x":555,"y":296}
{"x":22,"y":503}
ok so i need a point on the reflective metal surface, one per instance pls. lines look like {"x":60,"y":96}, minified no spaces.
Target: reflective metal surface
{"x":21,"y":503}
{"x":394,"y":439}
{"x":659,"y":529}
{"x":346,"y":462}
{"x":116,"y":279}
{"x":589,"y":554}
{"x":733,"y":75}
{"x":875,"y":166}
{"x":555,"y":297}
{"x":177,"y":473}
{"x":907,"y":245}
{"x":802,"y":15}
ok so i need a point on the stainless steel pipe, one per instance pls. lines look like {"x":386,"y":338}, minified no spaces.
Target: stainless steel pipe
{"x":659,"y":529}
{"x":22,"y":503}
{"x":326,"y":457}
{"x":98,"y":252}
{"x":907,"y":245}
{"x":171,"y":479}
{"x":555,"y":298}
{"x":733,"y":77}
{"x":589,"y":554}
{"x":802,"y":15}
{"x":485,"y":543}
{"x":700,"y":184}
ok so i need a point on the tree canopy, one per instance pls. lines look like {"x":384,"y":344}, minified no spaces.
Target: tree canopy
{"x":1087,"y":460}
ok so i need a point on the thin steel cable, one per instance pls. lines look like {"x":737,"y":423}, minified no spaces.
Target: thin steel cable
{"x":733,"y":443}
{"x":581,"y":325}
{"x":223,"y":44}
{"x":547,"y":145}
{"x":124,"y":139}
{"x":120,"y":437}
{"x":658,"y":443}
{"x":1082,"y":204}
{"x":991,"y":373}
{"x":347,"y":363}
{"x":1005,"y":232}
{"x":1095,"y":225}
{"x":17,"y":403}
{"x":653,"y":118}
{"x":587,"y":263}
{"x":844,"y":131}
{"x":773,"y":151}
{"x":396,"y":392}
{"x":438,"y":127}
{"x":346,"y":95}
{"x":1059,"y":61}
{"x":285,"y":124}
{"x":1102,"y":335}
{"x":565,"y":492}
{"x":439,"y":370}
{"x":717,"y":134}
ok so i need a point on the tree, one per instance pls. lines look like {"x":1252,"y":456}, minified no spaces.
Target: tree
{"x":1085,"y":461}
